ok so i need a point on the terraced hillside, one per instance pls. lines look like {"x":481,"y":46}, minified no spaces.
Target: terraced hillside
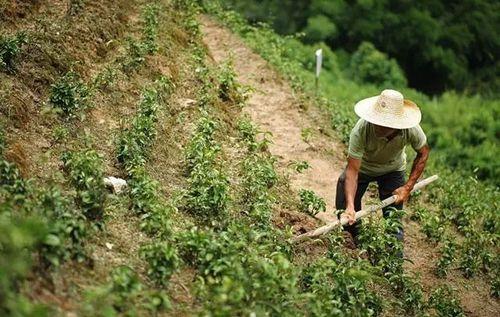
{"x":225,"y":155}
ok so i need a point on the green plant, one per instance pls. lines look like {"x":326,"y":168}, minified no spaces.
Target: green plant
{"x":60,"y":133}
{"x":448,"y":255}
{"x":432,"y":227}
{"x":67,"y":231}
{"x":11,"y":180}
{"x":372,"y":66}
{"x":105,"y":78}
{"x":85,"y":169}
{"x":495,"y":286}
{"x":339,"y":286}
{"x":123,"y":294}
{"x":134,"y":143}
{"x":75,"y":6}
{"x":306,"y":134}
{"x":241,"y":270}
{"x":310,"y":203}
{"x":69,"y":95}
{"x":444,"y":301}
{"x":19,"y":236}
{"x":10,"y":47}
{"x":125,"y":284}
{"x":136,"y":55}
{"x":378,"y":237}
{"x":299,"y":166}
{"x":229,"y":88}
{"x":150,"y":27}
{"x":162,"y":259}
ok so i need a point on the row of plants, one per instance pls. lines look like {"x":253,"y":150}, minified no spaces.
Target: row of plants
{"x":123,"y":294}
{"x":463,"y":203}
{"x":245,"y":265}
{"x":41,"y":221}
{"x":137,"y":50}
{"x":134,"y":146}
{"x":71,"y":96}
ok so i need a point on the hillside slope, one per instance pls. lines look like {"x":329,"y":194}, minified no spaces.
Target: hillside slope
{"x":215,"y":146}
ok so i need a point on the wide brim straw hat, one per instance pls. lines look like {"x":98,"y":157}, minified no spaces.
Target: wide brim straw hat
{"x":389,"y":109}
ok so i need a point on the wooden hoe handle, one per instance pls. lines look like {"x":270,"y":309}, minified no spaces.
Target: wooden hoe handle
{"x":384,"y":203}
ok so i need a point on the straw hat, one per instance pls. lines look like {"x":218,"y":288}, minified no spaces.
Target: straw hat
{"x":389,"y":109}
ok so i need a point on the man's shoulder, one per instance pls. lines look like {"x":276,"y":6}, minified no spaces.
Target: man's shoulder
{"x":361,"y":125}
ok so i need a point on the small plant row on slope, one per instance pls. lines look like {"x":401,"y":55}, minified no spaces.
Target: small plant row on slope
{"x":244,"y":264}
{"x":71,"y":96}
{"x":463,"y":202}
{"x":43,"y":221}
{"x":134,"y":146}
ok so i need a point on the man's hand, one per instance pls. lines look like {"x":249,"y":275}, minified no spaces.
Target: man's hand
{"x":350,"y":215}
{"x":402,"y":194}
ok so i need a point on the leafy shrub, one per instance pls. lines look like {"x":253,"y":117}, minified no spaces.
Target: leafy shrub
{"x":339,"y":286}
{"x":67,"y":231}
{"x":448,"y":255}
{"x":154,"y":213}
{"x":138,"y":50}
{"x":125,"y":284}
{"x":229,"y":88}
{"x":202,"y":147}
{"x":444,"y":301}
{"x":378,"y":237}
{"x":124,"y":294}
{"x":105,"y":78}
{"x":320,"y":28}
{"x":372,"y":66}
{"x":208,"y":193}
{"x":162,"y":259}
{"x":69,"y":94}
{"x":135,"y":142}
{"x":19,"y":236}
{"x":10,"y":47}
{"x":242,"y":271}
{"x":310,"y":203}
{"x":150,"y":27}
{"x":136,"y":55}
{"x":10,"y":178}
{"x":86,"y":172}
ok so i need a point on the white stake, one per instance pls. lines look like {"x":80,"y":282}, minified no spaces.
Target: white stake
{"x":319,"y":61}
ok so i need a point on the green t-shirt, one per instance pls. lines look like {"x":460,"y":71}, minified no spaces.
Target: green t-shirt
{"x":379,"y":155}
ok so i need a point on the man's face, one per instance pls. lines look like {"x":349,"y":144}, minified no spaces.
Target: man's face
{"x":383,"y":132}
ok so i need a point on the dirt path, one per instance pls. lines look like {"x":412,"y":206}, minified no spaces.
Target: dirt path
{"x":274,"y":108}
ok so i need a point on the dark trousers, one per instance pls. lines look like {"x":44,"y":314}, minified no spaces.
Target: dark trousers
{"x":387,"y":183}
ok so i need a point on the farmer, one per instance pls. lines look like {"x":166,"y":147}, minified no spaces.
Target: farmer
{"x":377,"y":154}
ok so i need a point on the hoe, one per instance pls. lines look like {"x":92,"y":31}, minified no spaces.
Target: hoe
{"x":362,"y":213}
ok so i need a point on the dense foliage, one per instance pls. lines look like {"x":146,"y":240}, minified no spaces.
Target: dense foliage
{"x":439,"y":44}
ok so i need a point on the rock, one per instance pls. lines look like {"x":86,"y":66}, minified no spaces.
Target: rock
{"x":117,"y":185}
{"x":109,"y":245}
{"x":186,"y":103}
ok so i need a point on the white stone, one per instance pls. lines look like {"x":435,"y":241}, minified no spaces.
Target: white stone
{"x":116,"y":184}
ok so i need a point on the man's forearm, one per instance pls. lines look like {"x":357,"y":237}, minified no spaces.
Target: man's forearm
{"x":351,"y":184}
{"x":418,"y":167}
